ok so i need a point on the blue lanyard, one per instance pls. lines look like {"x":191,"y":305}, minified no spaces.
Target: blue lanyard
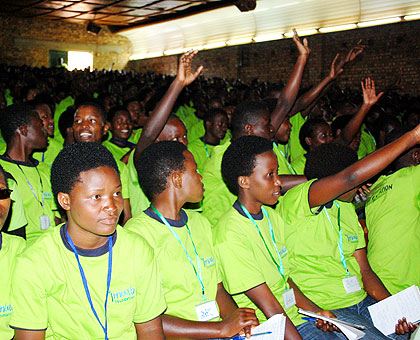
{"x":340,"y":235}
{"x":32,"y":188}
{"x":85,"y":285}
{"x":280,"y":264}
{"x":207,"y":150}
{"x":285,"y":158}
{"x":197,"y":274}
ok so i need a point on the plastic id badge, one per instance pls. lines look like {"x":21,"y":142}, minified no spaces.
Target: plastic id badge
{"x":44,"y":221}
{"x":351,"y":284}
{"x":289,"y":298}
{"x":207,"y":311}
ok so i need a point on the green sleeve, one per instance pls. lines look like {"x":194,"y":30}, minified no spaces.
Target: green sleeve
{"x":17,"y":211}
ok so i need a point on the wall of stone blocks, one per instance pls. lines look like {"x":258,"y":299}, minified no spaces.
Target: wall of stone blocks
{"x":28,"y":42}
{"x":388,"y":48}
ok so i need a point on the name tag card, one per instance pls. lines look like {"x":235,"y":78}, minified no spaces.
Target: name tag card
{"x":289,"y":298}
{"x":44,"y":222}
{"x":207,"y":311}
{"x":351,"y":284}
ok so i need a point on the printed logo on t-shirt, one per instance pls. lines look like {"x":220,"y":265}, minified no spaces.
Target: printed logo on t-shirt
{"x":122,"y":295}
{"x":47,"y":195}
{"x":352,"y":238}
{"x":283,"y":252}
{"x":209,"y":262}
{"x":5,"y":310}
{"x":380,"y":192}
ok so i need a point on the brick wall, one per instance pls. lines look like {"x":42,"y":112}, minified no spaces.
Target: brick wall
{"x":28,"y":41}
{"x":389,"y":47}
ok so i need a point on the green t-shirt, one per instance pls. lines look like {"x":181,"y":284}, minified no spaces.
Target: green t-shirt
{"x":59,"y":109}
{"x":138,"y":200}
{"x":196,"y":131}
{"x":10,"y":247}
{"x":393,"y":222}
{"x":245,"y":263}
{"x":217,"y":197}
{"x":34,"y":207}
{"x":48,"y":291}
{"x":296,"y":148}
{"x":299,"y":164}
{"x":285,"y":168}
{"x":180,"y":284}
{"x":135,"y":136}
{"x":3,"y":146}
{"x":117,"y":151}
{"x":367,"y":143}
{"x":48,"y":156}
{"x":187,"y":114}
{"x":201,"y":152}
{"x":16,"y":210}
{"x":8,"y":96}
{"x":315,"y":261}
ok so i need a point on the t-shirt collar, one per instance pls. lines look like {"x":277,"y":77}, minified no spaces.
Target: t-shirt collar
{"x":86,"y":252}
{"x":238,"y":208}
{"x":173,"y":223}
{"x":327,"y":205}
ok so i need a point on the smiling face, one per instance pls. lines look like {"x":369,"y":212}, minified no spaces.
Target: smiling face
{"x":93,"y":206}
{"x":121,"y":125}
{"x":88,"y":125}
{"x":263,"y":185}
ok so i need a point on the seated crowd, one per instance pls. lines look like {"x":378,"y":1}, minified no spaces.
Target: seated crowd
{"x":141,"y":206}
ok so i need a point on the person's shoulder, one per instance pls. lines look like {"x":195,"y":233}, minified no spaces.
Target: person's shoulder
{"x":131,"y":241}
{"x":14,"y":244}
{"x":198,"y":219}
{"x":44,"y":246}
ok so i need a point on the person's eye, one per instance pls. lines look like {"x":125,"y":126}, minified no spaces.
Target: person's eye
{"x":117,"y":193}
{"x":93,"y":121}
{"x":96,"y":197}
{"x":77,"y":121}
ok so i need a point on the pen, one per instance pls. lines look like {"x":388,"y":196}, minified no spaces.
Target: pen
{"x":241,"y":337}
{"x":308,"y":318}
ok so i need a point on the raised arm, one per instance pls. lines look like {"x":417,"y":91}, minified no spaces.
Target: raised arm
{"x":308,"y":97}
{"x":159,"y":116}
{"x":329,"y":188}
{"x":370,"y":98}
{"x":289,"y":93}
{"x":235,"y":320}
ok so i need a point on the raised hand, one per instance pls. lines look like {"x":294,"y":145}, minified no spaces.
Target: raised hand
{"x":302,"y":48}
{"x":369,"y":92}
{"x":185,"y":74}
{"x":334,"y":70}
{"x":354,"y":52}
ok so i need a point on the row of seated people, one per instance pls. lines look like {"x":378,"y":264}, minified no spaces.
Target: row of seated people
{"x":243,"y":250}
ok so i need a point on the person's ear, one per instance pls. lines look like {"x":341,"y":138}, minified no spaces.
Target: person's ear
{"x":176,"y":179}
{"x":23,"y":130}
{"x":208,"y":124}
{"x":308,"y":141}
{"x":106,"y":128}
{"x":249,"y":130}
{"x":243,"y":182}
{"x":64,"y":200}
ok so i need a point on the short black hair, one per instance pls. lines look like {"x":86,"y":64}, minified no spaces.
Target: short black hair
{"x":114,"y":110}
{"x":246,"y":113}
{"x":5,"y":176}
{"x":156,"y":163}
{"x":328,"y":159}
{"x":76,"y":158}
{"x":14,"y":116}
{"x":212,"y":113}
{"x":340,"y":123}
{"x":308,"y":129}
{"x":239,"y":159}
{"x":66,"y":121}
{"x":96,"y":106}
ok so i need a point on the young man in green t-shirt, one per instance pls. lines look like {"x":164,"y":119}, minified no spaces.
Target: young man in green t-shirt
{"x":393,"y":222}
{"x":23,"y":132}
{"x":79,"y":281}
{"x":215,"y":123}
{"x":183,"y":244}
